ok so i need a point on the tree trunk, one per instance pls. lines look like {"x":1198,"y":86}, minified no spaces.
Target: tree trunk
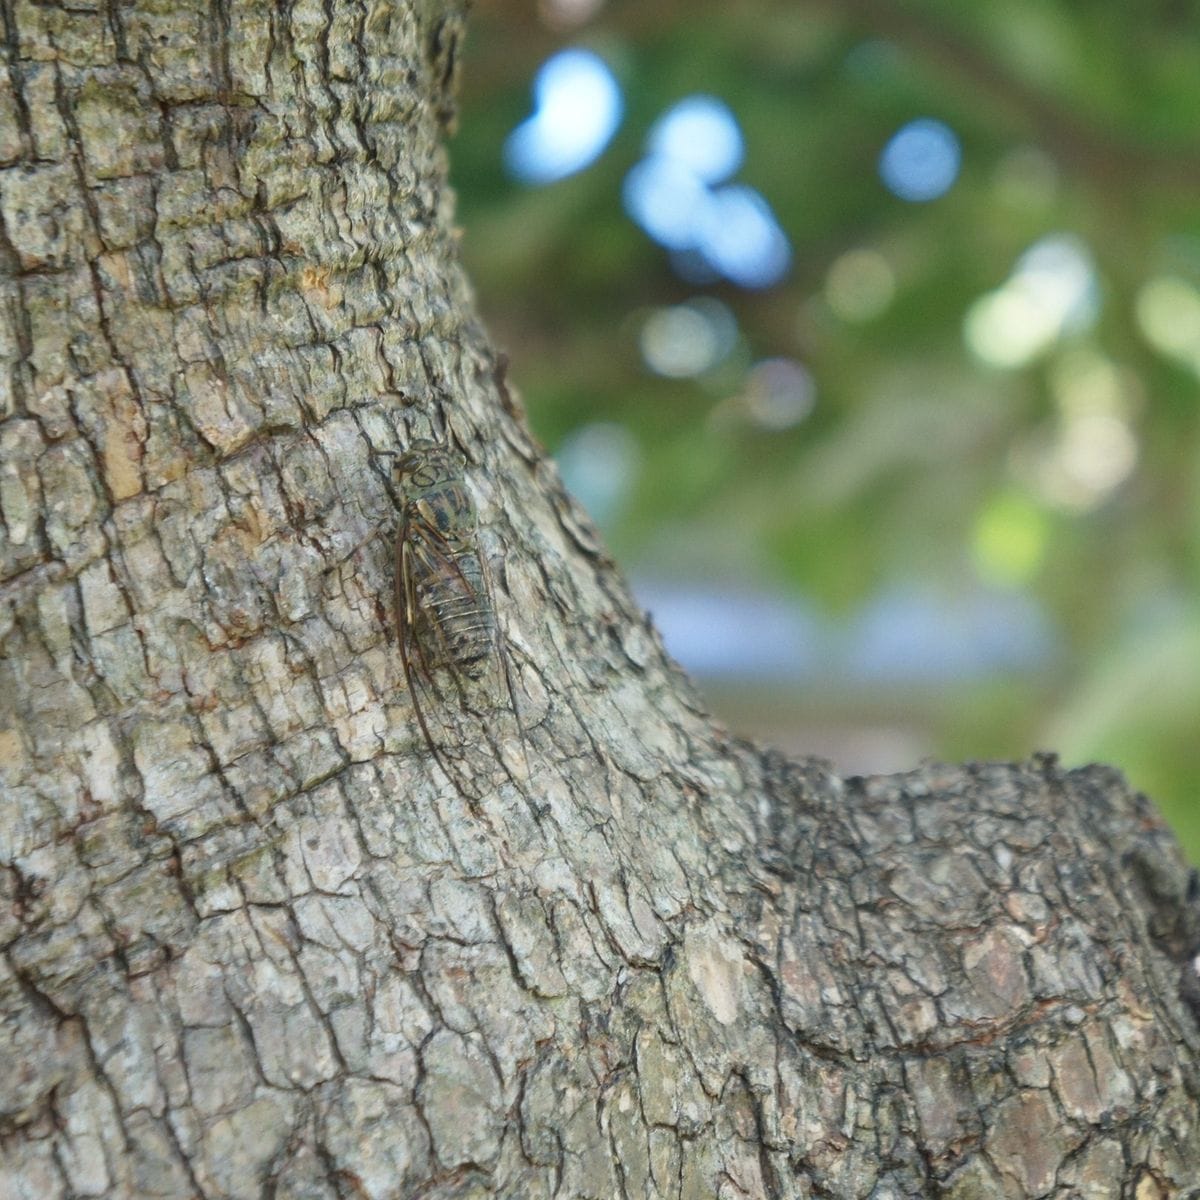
{"x":256,"y":940}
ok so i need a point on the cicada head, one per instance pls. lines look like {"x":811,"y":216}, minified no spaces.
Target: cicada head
{"x":426,"y":464}
{"x":436,"y":497}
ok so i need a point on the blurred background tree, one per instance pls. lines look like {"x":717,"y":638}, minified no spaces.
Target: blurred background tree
{"x":869,"y":333}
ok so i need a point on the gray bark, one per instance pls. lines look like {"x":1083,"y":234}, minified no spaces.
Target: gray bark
{"x":255,"y":942}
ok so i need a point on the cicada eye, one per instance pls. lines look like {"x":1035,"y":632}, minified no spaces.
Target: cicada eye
{"x":407,"y":462}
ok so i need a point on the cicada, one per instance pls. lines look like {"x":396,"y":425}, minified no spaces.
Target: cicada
{"x":445,"y":603}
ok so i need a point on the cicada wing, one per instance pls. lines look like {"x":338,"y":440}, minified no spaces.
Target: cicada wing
{"x":418,"y":668}
{"x":437,"y":607}
{"x":454,"y":653}
{"x":503,"y":660}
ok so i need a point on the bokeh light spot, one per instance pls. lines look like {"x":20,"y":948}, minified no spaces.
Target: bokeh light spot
{"x":701,"y":134}
{"x":1051,"y":291}
{"x":731,"y":229}
{"x":1096,"y":453}
{"x":599,"y":464}
{"x":566,"y":14}
{"x":1086,"y":382}
{"x":667,"y":201}
{"x":742,"y":239}
{"x":1006,"y":328}
{"x":687,"y":339}
{"x":860,"y":285}
{"x":921,"y":161}
{"x":1010,"y":538}
{"x":1060,"y":270}
{"x":728,"y":231}
{"x":578,"y":108}
{"x":1168,"y":314}
{"x":779,"y":393}
{"x":1075,"y":464}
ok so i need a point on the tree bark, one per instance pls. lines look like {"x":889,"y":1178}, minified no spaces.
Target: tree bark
{"x":255,"y":941}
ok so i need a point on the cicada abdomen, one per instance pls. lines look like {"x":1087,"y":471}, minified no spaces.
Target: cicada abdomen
{"x":445,"y":607}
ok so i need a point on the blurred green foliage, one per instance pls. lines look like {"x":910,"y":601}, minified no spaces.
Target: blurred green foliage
{"x":921,"y":463}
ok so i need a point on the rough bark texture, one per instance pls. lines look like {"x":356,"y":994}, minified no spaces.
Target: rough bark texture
{"x":255,"y":943}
